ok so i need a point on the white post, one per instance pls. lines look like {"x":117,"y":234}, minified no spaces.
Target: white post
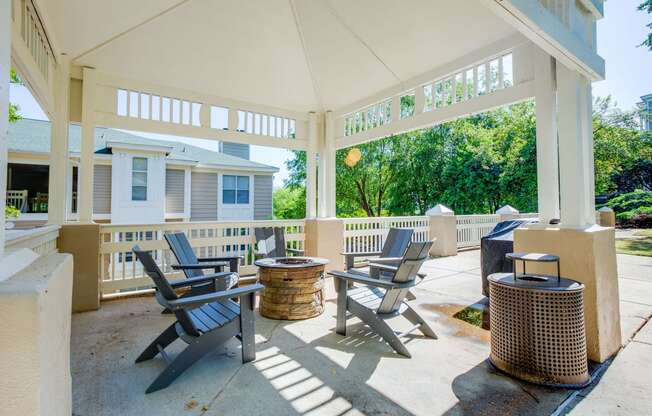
{"x":311,"y":166}
{"x":5,"y":59}
{"x":69,"y":189}
{"x":329,"y":173}
{"x":86,"y":170}
{"x":547,"y":148}
{"x":575,"y":149}
{"x":59,"y":163}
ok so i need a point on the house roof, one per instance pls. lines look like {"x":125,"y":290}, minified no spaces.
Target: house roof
{"x":33,"y":136}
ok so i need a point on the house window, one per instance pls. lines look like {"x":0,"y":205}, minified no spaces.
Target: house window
{"x":235,"y":189}
{"x":139,"y":179}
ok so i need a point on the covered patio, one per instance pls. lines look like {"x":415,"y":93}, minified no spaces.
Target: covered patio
{"x":312,"y":76}
{"x":305,"y":368}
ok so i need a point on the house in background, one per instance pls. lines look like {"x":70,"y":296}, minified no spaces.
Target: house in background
{"x":645,"y":107}
{"x":141,"y":180}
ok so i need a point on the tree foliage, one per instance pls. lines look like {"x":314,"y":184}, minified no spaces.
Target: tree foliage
{"x":646,"y":6}
{"x":478,"y":164}
{"x":14,"y":114}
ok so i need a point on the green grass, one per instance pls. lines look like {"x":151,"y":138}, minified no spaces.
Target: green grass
{"x":641,"y":246}
{"x":472,"y":316}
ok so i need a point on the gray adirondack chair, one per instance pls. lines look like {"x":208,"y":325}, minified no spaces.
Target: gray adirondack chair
{"x":396,"y":242}
{"x":380,"y":299}
{"x":192,"y":266}
{"x":204,"y":322}
{"x":270,"y":242}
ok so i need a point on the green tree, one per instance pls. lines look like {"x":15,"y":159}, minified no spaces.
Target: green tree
{"x":289,"y":202}
{"x":647,"y":6}
{"x":13,"y":108}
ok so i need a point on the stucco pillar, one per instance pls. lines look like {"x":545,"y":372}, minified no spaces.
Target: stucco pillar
{"x":327,"y":170}
{"x":443,"y":231}
{"x":83,"y":242}
{"x":58,"y":192}
{"x":588,"y":256}
{"x":546,"y":140}
{"x":324,"y":237}
{"x":5,"y":65}
{"x":575,"y":149}
{"x":86,"y":169}
{"x":311,"y":166}
{"x":606,"y":217}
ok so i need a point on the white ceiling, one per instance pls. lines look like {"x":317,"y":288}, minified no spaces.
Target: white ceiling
{"x":295,"y":54}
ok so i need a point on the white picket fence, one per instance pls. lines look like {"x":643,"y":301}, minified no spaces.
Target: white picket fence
{"x":363,"y":235}
{"x":120,"y":270}
{"x":471,"y":228}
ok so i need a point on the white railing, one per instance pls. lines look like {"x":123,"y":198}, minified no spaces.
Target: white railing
{"x":17,"y":199}
{"x":41,"y":240}
{"x":120,"y":271}
{"x":368,"y":234}
{"x":471,"y":228}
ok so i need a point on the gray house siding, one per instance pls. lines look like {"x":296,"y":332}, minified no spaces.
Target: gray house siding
{"x":263,"y":185}
{"x":174,"y":188}
{"x":236,"y":149}
{"x":203,"y":197}
{"x":102,"y":189}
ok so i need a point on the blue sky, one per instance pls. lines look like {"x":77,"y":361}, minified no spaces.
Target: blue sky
{"x":629,"y":76}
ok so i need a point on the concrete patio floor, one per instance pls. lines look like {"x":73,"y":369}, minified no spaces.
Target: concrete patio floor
{"x":305,"y":368}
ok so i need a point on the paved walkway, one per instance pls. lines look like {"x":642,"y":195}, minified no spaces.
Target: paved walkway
{"x":303,"y":368}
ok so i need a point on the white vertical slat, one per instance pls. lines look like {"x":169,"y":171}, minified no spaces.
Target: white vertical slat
{"x":501,"y":74}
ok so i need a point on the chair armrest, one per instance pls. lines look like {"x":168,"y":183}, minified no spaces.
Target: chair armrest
{"x":198,"y":266}
{"x":199,"y":279}
{"x":365,"y":254}
{"x":195,"y":301}
{"x":217,"y":259}
{"x":369,"y":281}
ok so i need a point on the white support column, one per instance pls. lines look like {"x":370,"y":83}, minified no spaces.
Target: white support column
{"x":59,"y":163}
{"x":69,"y":189}
{"x":311,"y":166}
{"x":187,"y":192}
{"x":86,"y":170}
{"x":575,"y":148}
{"x":329,"y":166}
{"x":547,"y":146}
{"x":5,"y":64}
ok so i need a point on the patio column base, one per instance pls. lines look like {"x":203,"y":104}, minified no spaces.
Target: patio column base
{"x":325,"y":238}
{"x":83,"y":242}
{"x":35,"y":336}
{"x":588,"y":256}
{"x":443,"y":229}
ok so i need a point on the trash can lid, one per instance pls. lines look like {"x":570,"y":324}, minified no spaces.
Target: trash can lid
{"x":536,"y":282}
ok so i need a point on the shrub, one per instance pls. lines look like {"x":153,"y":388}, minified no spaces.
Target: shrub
{"x":632,"y":208}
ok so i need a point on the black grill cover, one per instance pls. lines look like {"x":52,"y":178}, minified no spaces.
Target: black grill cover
{"x":493,"y":248}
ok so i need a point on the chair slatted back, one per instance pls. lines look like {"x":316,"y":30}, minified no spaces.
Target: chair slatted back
{"x":415,"y":256}
{"x":273,"y":241}
{"x":397,"y":241}
{"x":164,"y":288}
{"x":183,"y":252}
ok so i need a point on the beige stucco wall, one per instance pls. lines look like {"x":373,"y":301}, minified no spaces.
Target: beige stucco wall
{"x":325,"y":238}
{"x":588,"y":256}
{"x":35,"y":307}
{"x":83,"y":242}
{"x":443,"y":231}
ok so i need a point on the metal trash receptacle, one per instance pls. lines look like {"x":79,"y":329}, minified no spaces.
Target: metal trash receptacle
{"x":537,"y":326}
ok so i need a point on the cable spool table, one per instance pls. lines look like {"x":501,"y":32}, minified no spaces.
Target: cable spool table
{"x":294,"y":287}
{"x":537,"y":325}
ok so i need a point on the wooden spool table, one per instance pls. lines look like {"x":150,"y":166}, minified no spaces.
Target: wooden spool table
{"x":294,"y":287}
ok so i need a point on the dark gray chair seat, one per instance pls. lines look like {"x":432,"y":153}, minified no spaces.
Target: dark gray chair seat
{"x":214,"y":315}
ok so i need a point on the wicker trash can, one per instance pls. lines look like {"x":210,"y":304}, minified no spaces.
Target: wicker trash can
{"x":537,"y":326}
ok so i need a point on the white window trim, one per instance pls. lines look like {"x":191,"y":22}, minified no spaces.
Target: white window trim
{"x":146,"y":179}
{"x":220,"y":191}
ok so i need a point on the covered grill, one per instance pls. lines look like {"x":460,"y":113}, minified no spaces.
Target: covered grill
{"x":537,"y":325}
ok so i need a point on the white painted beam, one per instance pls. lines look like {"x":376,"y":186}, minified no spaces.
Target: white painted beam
{"x":547,"y":146}
{"x":58,"y":178}
{"x":506,"y":96}
{"x":576,"y":169}
{"x":330,"y":165}
{"x":86,"y":165}
{"x":5,"y":58}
